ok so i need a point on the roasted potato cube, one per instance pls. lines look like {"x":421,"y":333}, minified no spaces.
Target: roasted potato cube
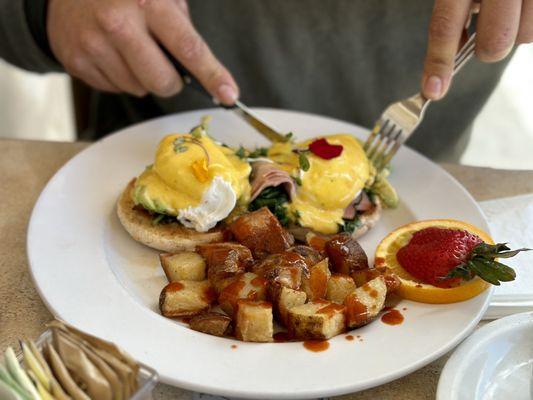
{"x":211,"y":323}
{"x":248,"y":286}
{"x":310,"y":255}
{"x":345,"y":254}
{"x":283,"y":269}
{"x":392,"y":281}
{"x":365,"y":302}
{"x":316,"y":284}
{"x":224,"y":262}
{"x":186,"y":298}
{"x":184,"y":266}
{"x":215,"y":253}
{"x":254,"y":321}
{"x":363,"y":276}
{"x":261,"y":232}
{"x":285,"y":299}
{"x":316,"y":320}
{"x":339,"y":286}
{"x":315,"y":241}
{"x":366,"y":275}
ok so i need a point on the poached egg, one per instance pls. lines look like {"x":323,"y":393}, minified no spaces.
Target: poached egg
{"x":194,"y":179}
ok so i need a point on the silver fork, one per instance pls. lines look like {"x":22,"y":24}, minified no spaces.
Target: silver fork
{"x":400,"y":119}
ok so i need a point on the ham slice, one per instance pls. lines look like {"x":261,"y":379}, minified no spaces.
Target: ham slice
{"x":267,"y":174}
{"x":361,"y":203}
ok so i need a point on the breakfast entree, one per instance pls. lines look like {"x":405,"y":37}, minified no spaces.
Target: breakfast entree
{"x":196,"y":186}
{"x":265,"y":240}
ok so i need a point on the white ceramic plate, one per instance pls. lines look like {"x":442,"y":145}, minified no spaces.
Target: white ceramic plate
{"x":495,"y":363}
{"x":93,"y":275}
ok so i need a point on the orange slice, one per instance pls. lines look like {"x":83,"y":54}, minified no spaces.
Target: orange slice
{"x":414,"y":289}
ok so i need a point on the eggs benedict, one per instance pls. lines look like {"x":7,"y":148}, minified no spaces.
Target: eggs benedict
{"x":193,"y":184}
{"x":335,"y":188}
{"x":196,"y":185}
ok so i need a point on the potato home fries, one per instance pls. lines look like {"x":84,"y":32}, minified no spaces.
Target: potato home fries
{"x":315,"y":290}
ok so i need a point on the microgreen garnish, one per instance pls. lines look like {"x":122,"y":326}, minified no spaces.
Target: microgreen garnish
{"x":304,"y":161}
{"x":158,"y":219}
{"x":298,"y":180}
{"x":259,"y":152}
{"x":241,"y":152}
{"x":288,"y":137}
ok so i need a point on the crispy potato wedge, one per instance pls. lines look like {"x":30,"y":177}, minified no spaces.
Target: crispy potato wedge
{"x":365,"y":302}
{"x":284,"y":299}
{"x":254,"y":321}
{"x":183,"y":266}
{"x":339,"y":286}
{"x":316,"y":320}
{"x":248,"y":286}
{"x":212,"y":323}
{"x":186,"y":298}
{"x":316,"y":284}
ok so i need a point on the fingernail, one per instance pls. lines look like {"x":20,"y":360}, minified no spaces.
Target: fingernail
{"x":227,"y":94}
{"x":433,"y":87}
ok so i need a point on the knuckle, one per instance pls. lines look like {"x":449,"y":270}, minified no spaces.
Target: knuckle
{"x":90,"y":44}
{"x":496,"y":46}
{"x":216,"y":77}
{"x":525,"y":37}
{"x":112,"y":21}
{"x":76,"y":65}
{"x":437,"y":64}
{"x":165,"y":85}
{"x":442,"y":26}
{"x":192,"y":47}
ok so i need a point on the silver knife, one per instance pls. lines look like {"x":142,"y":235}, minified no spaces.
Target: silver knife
{"x":239,"y":108}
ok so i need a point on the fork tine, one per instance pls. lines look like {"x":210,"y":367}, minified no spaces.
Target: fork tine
{"x":377,"y":127}
{"x":468,"y":44}
{"x":385,"y":159}
{"x":382,"y":135}
{"x":387,"y":139}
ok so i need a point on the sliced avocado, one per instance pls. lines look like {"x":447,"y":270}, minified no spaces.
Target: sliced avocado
{"x":372,"y":173}
{"x":140,"y":196}
{"x":384,"y":190}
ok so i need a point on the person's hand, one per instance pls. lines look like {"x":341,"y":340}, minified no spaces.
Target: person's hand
{"x":113,"y":46}
{"x":500,"y":25}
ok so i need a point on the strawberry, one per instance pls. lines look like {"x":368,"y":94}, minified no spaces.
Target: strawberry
{"x":445,"y":257}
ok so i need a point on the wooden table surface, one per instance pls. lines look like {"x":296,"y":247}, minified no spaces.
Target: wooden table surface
{"x":26,"y":167}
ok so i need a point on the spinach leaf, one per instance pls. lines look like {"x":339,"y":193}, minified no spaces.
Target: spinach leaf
{"x":350,"y":225}
{"x":274,"y":198}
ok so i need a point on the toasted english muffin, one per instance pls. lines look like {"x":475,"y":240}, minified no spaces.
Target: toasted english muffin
{"x":169,"y":237}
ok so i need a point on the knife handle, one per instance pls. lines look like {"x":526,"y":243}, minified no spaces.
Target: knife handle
{"x":188,"y":79}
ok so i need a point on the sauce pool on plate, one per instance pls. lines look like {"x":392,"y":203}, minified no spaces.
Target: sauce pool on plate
{"x":392,"y":317}
{"x":316,"y":346}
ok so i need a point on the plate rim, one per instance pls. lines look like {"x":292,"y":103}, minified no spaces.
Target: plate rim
{"x":448,"y":378}
{"x":240,"y":393}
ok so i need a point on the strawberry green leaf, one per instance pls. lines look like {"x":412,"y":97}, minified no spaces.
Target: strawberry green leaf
{"x":484,"y":272}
